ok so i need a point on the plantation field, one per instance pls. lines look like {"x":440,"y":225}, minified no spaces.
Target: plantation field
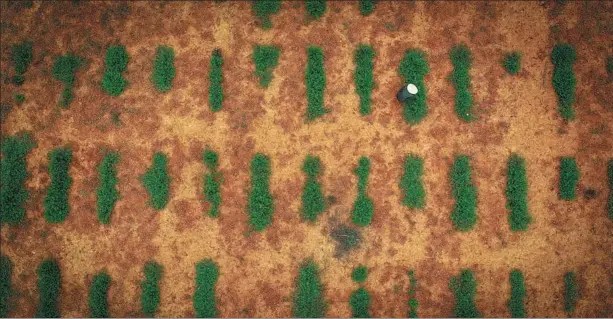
{"x":235,"y":185}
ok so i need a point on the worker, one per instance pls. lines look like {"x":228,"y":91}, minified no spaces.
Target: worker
{"x":407,"y":92}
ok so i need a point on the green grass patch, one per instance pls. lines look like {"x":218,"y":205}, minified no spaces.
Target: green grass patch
{"x":411,"y":184}
{"x":205,"y":302}
{"x":367,"y":7}
{"x":107,"y":192}
{"x":460,"y":77}
{"x":413,"y":68}
{"x":359,"y":274}
{"x":115,"y":63}
{"x":157,"y":181}
{"x":315,"y":78}
{"x":6,"y":270}
{"x":610,"y":173}
{"x":64,"y":70}
{"x":571,"y":292}
{"x":163,"y":68}
{"x":13,"y":174}
{"x":315,"y":8}
{"x":512,"y":62}
{"x":464,"y":289}
{"x":98,"y":300}
{"x":363,"y":76}
{"x":517,"y":194}
{"x":19,"y":99}
{"x":261,"y":205}
{"x":313,"y":202}
{"x":569,"y":177}
{"x":413,"y":302}
{"x":262,"y":9}
{"x":609,"y":65}
{"x":215,"y":81}
{"x":49,"y":284}
{"x":21,"y":56}
{"x":266,"y":59}
{"x":363,"y":210}
{"x":56,"y":201}
{"x":308,"y":299}
{"x":359,"y":301}
{"x":518,"y":294}
{"x":150,"y":288}
{"x":563,"y":56}
{"x":212,"y":183}
{"x":464,"y":214}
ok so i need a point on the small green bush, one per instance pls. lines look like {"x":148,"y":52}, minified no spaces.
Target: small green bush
{"x":411,"y":183}
{"x":13,"y":174}
{"x":150,"y":288}
{"x":6,"y":270}
{"x":569,"y":177}
{"x":512,"y":62}
{"x":518,"y":294}
{"x":315,"y":78}
{"x":563,"y":57}
{"x":215,"y":81}
{"x":360,"y":303}
{"x":266,"y":59}
{"x":64,"y":69}
{"x":571,"y":292}
{"x":413,"y":68}
{"x":363,"y":210}
{"x":261,"y":205}
{"x":205,"y":302}
{"x":413,"y":302}
{"x":262,"y":9}
{"x":308,"y":298}
{"x":157,"y":181}
{"x":313,"y":202}
{"x":107,"y":190}
{"x":163,"y":68}
{"x":212,"y":183}
{"x":367,"y":7}
{"x":359,"y":274}
{"x":464,"y":215}
{"x":98,"y":291}
{"x":49,"y":285}
{"x":609,"y":65}
{"x":610,"y":173}
{"x":56,"y":201}
{"x":464,"y":289}
{"x":21,"y":56}
{"x":363,"y":76}
{"x":316,"y":8}
{"x":115,"y":63}
{"x":517,"y":194}
{"x":20,"y":99}
{"x":462,"y":60}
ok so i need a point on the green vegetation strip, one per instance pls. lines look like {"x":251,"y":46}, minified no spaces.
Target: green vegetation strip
{"x":411,"y":183}
{"x":98,"y":291}
{"x":212,"y":183}
{"x":163,"y":68}
{"x":517,"y":194}
{"x":413,"y":302}
{"x":215,"y":81}
{"x":56,"y":201}
{"x":6,"y":270}
{"x":569,"y":177}
{"x":413,"y":68}
{"x":205,"y":303}
{"x":262,"y":9}
{"x":316,"y":8}
{"x":367,"y":7}
{"x":150,"y":288}
{"x":512,"y":62}
{"x":13,"y":174}
{"x":363,"y":210}
{"x":64,"y":69}
{"x":21,"y":55}
{"x":315,"y":78}
{"x":609,"y":65}
{"x":563,"y":57}
{"x":308,"y":298}
{"x":464,"y":289}
{"x":313,"y":202}
{"x":49,"y":284}
{"x":157,"y":181}
{"x":464,"y":214}
{"x":359,"y":301}
{"x":363,"y":77}
{"x":266,"y":59}
{"x":107,"y":190}
{"x":518,"y":294}
{"x":610,"y":173}
{"x":261,"y":204}
{"x":115,"y":63}
{"x":571,"y":292}
{"x":462,"y":60}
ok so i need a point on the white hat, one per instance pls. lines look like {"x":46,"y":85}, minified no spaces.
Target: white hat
{"x":412,"y":88}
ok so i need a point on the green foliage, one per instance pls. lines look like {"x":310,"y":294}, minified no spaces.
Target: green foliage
{"x":266,"y":59}
{"x":6,"y":270}
{"x":163,"y":68}
{"x":363,"y":210}
{"x":462,"y":60}
{"x":563,"y":57}
{"x":157,"y":181}
{"x":56,"y":201}
{"x":413,"y":68}
{"x":517,"y":194}
{"x":316,"y":8}
{"x":150,"y":294}
{"x":308,"y":298}
{"x":609,"y":65}
{"x":262,"y":9}
{"x":610,"y":173}
{"x":205,"y":303}
{"x":360,"y":303}
{"x":21,"y":56}
{"x":49,"y":284}
{"x":215,"y":81}
{"x":13,"y":174}
{"x":518,"y":294}
{"x":413,"y":302}
{"x":359,"y":274}
{"x":512,"y":62}
{"x":464,"y":215}
{"x":64,"y":69}
{"x":315,"y":78}
{"x":261,"y":204}
{"x":107,"y":190}
{"x":363,"y":76}
{"x":464,"y":289}
{"x":212,"y":183}
{"x":569,"y":177}
{"x":19,"y":99}
{"x":98,"y":304}
{"x":115,"y":63}
{"x":571,"y":292}
{"x":412,"y":184}
{"x":313,"y":202}
{"x":367,"y":7}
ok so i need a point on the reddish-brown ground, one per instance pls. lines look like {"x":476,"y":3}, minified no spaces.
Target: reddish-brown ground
{"x":517,"y":114}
